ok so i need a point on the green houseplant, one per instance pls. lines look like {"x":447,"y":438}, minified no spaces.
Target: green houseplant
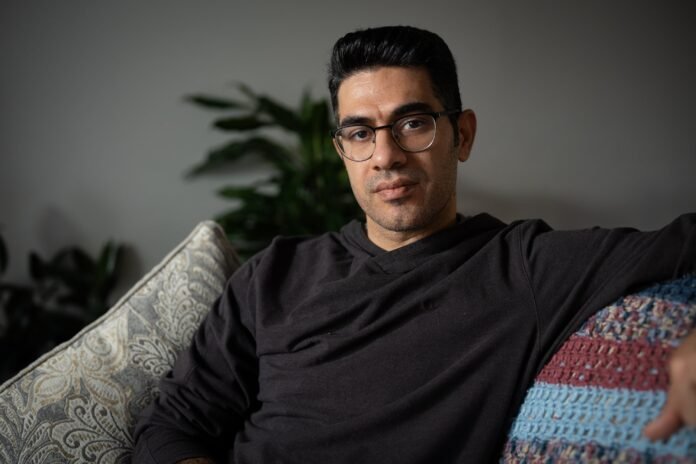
{"x":308,"y":191}
{"x":66,"y":292}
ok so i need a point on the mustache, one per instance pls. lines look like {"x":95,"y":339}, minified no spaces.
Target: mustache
{"x":407,"y":175}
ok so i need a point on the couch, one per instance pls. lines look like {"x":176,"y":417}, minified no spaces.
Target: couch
{"x":79,"y":402}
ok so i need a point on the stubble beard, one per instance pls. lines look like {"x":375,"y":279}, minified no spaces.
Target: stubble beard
{"x":402,"y":216}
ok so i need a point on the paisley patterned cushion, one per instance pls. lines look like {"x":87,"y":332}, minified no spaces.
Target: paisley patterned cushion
{"x":79,"y":402}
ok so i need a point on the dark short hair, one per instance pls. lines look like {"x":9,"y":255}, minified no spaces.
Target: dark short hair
{"x":403,"y":46}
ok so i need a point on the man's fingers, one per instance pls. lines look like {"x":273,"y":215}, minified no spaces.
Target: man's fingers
{"x":680,"y":407}
{"x":681,"y":396}
{"x":663,"y":425}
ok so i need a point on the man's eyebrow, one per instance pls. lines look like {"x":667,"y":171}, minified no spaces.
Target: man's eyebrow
{"x":353,"y":120}
{"x":402,"y":110}
{"x":413,"y":107}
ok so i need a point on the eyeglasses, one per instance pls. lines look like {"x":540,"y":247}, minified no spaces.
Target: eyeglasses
{"x":413,"y":133}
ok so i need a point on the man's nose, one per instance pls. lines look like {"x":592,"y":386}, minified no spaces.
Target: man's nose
{"x":388,"y":154}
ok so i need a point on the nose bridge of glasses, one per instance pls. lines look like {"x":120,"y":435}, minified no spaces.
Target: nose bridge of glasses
{"x":385,"y":126}
{"x":391,"y":134}
{"x":388,"y":152}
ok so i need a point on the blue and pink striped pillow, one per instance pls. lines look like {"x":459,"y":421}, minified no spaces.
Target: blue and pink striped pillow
{"x":606,"y":382}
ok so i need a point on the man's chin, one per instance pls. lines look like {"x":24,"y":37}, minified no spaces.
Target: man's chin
{"x":400,"y":222}
{"x":407,"y":216}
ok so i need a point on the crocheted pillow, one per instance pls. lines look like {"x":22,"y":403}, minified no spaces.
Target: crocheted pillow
{"x":592,"y":399}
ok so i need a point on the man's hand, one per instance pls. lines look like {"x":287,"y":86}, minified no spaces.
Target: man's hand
{"x":680,"y":406}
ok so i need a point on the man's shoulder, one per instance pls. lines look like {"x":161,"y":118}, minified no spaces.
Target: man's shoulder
{"x":485,"y":223}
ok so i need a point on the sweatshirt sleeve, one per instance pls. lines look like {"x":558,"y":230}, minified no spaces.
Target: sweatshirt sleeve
{"x":575,"y":273}
{"x":205,"y":398}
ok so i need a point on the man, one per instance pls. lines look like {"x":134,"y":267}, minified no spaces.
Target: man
{"x":411,"y":337}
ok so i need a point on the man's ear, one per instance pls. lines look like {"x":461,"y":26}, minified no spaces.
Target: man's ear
{"x":466,"y":123}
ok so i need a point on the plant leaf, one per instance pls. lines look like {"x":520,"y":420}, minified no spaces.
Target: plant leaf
{"x":246,"y":90}
{"x":263,"y":147}
{"x":109,"y":258}
{"x":216,"y":103}
{"x":280,"y":114}
{"x":72,"y":259}
{"x":37,"y":266}
{"x":240,"y":123}
{"x":105,"y":276}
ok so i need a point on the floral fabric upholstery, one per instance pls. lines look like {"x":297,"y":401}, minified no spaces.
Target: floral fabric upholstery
{"x":79,"y":402}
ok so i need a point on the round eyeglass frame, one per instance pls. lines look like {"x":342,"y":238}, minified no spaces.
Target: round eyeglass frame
{"x":434,"y":114}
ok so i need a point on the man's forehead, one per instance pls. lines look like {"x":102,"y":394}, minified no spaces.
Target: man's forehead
{"x":401,"y":110}
{"x":386,"y":92}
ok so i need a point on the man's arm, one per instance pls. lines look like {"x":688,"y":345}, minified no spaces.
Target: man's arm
{"x":573,"y":274}
{"x":601,"y":265}
{"x":680,"y":406}
{"x":206,"y":397}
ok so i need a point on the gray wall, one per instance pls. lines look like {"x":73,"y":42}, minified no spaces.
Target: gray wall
{"x":587,"y":110}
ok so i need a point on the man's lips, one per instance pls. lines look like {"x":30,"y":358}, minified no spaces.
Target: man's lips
{"x":394,"y":190}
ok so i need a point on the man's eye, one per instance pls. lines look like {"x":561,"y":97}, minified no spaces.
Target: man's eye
{"x":358,"y":134}
{"x":412,"y":123}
